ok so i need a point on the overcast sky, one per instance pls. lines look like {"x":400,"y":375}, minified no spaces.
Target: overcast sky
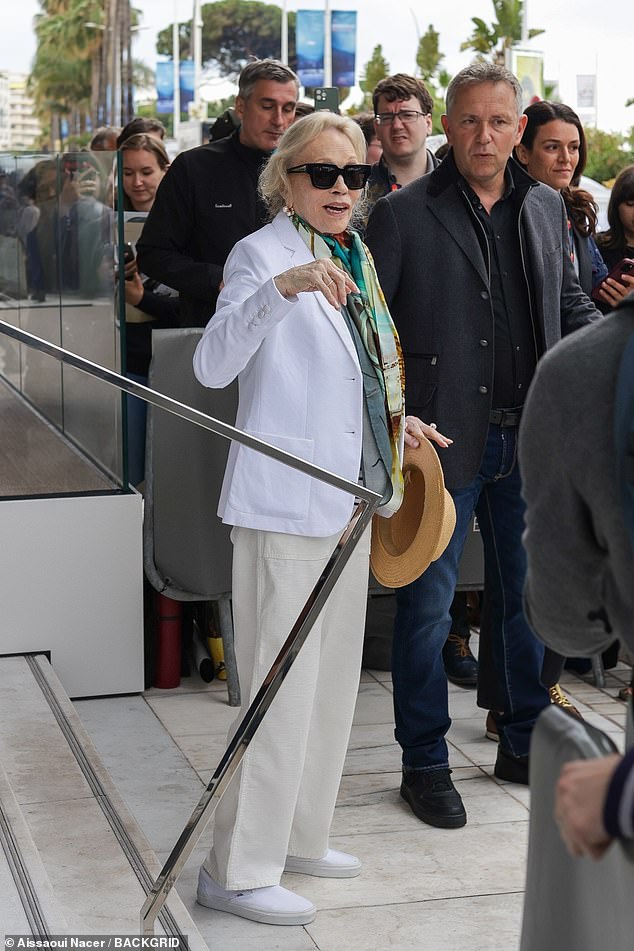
{"x":583,"y":37}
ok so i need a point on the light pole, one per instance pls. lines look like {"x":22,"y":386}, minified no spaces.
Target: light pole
{"x":327,"y":45}
{"x":525,"y":21}
{"x":197,"y":35}
{"x":284,"y":40}
{"x":176,"y":59}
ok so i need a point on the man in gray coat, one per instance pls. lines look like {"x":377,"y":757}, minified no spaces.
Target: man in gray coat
{"x":472,"y":259}
{"x":580,"y":580}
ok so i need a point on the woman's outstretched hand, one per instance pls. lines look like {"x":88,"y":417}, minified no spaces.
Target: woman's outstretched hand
{"x":323,"y":275}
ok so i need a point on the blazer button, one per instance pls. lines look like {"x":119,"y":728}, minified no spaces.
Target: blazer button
{"x":484,"y":343}
{"x":484,"y":295}
{"x":483,"y":389}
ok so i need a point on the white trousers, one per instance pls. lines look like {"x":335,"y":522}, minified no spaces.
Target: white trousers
{"x":281,"y":800}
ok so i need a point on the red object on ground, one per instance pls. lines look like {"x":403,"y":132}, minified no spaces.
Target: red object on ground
{"x":169,"y":616}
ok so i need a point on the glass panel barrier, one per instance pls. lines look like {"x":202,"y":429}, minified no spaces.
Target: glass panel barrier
{"x":57,"y":280}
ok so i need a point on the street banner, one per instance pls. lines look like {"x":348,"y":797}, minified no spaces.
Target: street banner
{"x":188,"y":80}
{"x":586,"y":92}
{"x":528,"y":66}
{"x":165,"y":88}
{"x":309,"y":45}
{"x":344,"y":43}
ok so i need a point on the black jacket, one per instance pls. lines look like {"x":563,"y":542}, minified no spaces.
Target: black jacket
{"x":435,"y":279}
{"x":205,"y":204}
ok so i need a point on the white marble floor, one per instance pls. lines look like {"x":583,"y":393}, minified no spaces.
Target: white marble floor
{"x":420,"y":888}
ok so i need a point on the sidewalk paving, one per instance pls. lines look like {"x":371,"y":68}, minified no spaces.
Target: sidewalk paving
{"x":420,"y":886}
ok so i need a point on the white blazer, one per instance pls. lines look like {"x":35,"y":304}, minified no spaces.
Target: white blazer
{"x":300,"y":388}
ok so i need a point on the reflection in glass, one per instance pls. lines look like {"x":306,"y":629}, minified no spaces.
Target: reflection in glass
{"x":57,"y":239}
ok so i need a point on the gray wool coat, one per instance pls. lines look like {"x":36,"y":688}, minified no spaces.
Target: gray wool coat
{"x":580,"y":558}
{"x":435,"y":279}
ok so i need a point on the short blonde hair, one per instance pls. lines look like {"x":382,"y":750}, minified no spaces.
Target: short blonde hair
{"x":274,"y":184}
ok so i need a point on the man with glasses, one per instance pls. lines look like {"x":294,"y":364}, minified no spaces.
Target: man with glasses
{"x":474,"y":265}
{"x":402,"y":119}
{"x":208,"y":201}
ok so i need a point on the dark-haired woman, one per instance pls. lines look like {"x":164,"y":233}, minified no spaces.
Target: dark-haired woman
{"x":554,"y":151}
{"x":618,"y":241}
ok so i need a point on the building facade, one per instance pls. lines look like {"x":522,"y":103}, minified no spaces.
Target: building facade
{"x":19,"y":126}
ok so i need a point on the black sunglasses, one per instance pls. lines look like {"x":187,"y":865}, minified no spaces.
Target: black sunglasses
{"x":325,"y":174}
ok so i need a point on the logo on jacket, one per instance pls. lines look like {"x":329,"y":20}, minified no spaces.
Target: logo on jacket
{"x":220,"y":205}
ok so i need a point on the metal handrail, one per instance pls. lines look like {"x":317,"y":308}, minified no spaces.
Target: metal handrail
{"x":361,"y":516}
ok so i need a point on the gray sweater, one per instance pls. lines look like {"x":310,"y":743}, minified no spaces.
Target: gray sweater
{"x":580,"y":559}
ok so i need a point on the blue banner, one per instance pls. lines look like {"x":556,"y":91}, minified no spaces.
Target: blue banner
{"x":165,"y":88}
{"x":309,"y":44}
{"x":187,"y":83}
{"x":343,"y":28}
{"x":165,"y":85}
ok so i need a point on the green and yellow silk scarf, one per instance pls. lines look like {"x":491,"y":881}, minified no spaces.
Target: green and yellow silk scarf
{"x":377,"y":331}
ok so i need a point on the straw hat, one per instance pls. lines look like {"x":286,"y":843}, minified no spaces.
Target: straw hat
{"x":404,"y":545}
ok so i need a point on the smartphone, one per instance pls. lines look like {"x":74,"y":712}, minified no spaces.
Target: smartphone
{"x":327,"y":97}
{"x":625,"y":266}
{"x":128,"y":256}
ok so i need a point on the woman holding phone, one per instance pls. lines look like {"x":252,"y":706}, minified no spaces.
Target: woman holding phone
{"x":149,"y":304}
{"x":618,"y":241}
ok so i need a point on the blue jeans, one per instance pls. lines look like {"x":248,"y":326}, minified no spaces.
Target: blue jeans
{"x":137,"y":416}
{"x":423,"y":622}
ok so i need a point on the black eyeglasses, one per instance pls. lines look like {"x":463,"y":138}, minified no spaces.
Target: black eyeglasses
{"x":407,"y":116}
{"x":324,"y":174}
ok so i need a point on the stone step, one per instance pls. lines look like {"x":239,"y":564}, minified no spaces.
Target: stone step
{"x":24,"y":884}
{"x":88,"y":860}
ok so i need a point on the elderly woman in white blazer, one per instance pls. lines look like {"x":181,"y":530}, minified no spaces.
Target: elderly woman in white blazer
{"x":302,"y":324}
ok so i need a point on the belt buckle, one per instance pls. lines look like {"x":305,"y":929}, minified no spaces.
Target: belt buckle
{"x":510,"y":417}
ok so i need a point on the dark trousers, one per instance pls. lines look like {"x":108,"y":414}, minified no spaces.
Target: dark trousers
{"x":423,"y":621}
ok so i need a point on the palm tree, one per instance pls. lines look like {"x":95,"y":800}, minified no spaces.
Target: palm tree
{"x":506,"y":30}
{"x":63,"y":77}
{"x":93,"y":39}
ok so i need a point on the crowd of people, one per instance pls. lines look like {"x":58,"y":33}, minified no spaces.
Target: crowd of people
{"x":367,"y":295}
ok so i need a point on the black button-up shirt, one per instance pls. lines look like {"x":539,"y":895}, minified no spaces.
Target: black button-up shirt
{"x":514,"y":342}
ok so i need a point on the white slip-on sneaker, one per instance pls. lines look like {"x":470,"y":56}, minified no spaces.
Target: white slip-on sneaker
{"x":271,"y":905}
{"x":333,"y":865}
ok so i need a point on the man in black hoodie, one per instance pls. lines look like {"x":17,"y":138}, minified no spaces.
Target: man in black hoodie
{"x":208,"y":200}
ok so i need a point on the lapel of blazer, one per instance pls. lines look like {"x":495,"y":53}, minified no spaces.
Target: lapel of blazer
{"x":449,"y":209}
{"x":298,"y":254}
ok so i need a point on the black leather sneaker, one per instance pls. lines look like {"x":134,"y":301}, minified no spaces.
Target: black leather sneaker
{"x":433,"y":798}
{"x":461,"y":666}
{"x":514,"y":769}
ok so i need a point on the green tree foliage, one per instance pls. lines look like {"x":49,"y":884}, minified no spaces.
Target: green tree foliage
{"x":429,"y":62}
{"x":72,"y":67}
{"x":428,"y":55}
{"x":233,"y":32}
{"x":376,"y":69}
{"x":494,"y":39}
{"x":63,"y":72}
{"x":608,"y":153}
